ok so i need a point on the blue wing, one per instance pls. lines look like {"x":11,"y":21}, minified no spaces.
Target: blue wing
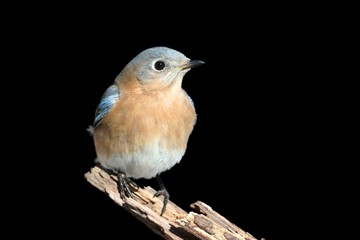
{"x":109,"y":98}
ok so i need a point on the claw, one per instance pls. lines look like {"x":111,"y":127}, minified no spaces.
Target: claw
{"x":123,"y":185}
{"x":162,"y":192}
{"x":166,"y":195}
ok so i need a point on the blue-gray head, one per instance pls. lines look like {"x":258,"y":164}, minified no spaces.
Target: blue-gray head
{"x":160,"y":65}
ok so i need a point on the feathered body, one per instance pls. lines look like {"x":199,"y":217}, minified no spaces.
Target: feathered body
{"x":144,"y":120}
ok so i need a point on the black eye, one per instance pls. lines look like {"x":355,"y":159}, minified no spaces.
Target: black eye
{"x":159,"y":65}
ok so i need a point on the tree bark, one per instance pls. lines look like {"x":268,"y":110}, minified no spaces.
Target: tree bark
{"x":202,"y":223}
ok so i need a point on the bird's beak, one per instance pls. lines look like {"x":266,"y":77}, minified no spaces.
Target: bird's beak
{"x":192,"y":64}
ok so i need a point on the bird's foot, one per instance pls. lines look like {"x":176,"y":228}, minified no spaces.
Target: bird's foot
{"x":124,"y":184}
{"x":165,"y":193}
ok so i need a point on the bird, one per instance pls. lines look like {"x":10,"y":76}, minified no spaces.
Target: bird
{"x":144,"y":119}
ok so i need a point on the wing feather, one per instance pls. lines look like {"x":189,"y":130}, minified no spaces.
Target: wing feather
{"x":108,"y":100}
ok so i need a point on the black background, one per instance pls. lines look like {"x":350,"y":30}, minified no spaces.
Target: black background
{"x":254,"y":97}
{"x":243,"y":137}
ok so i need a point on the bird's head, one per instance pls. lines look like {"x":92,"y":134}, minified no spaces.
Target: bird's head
{"x":159,"y":67}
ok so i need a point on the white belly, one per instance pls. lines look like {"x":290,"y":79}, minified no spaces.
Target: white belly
{"x":144,"y":163}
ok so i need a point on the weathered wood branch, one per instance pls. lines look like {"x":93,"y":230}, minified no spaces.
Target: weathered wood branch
{"x":176,"y":223}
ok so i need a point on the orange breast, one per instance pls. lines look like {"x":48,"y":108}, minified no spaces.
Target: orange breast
{"x":139,"y":119}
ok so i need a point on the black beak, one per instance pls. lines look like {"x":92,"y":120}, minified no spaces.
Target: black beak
{"x":192,"y":64}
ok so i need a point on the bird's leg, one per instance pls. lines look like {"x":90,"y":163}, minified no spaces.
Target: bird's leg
{"x":123,"y":185}
{"x":162,"y":192}
{"x":123,"y":182}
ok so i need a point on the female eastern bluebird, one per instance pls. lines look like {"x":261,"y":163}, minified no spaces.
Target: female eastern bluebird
{"x":144,"y":119}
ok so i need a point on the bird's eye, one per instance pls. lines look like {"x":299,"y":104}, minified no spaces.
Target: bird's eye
{"x":159,"y":65}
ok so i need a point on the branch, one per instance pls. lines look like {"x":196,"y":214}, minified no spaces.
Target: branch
{"x":175,"y":223}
